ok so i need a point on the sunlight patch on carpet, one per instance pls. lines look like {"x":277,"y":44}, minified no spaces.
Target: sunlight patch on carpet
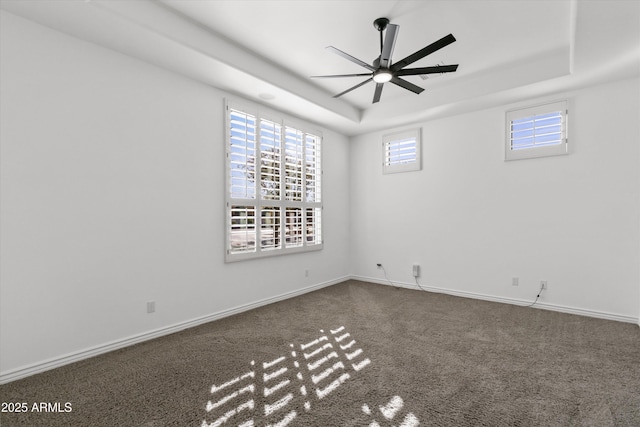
{"x":389,"y":412}
{"x":296,"y":379}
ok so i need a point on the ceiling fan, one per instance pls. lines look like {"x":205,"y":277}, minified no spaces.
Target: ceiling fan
{"x":383,"y":70}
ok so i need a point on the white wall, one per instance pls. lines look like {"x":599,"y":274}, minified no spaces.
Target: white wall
{"x":473,"y":221}
{"x":112,"y":195}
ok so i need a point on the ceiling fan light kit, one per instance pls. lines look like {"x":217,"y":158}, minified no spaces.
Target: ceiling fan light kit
{"x":382,"y":75}
{"x":383,"y":71}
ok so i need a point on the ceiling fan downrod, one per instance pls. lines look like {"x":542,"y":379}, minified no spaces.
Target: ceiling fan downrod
{"x":380,"y":24}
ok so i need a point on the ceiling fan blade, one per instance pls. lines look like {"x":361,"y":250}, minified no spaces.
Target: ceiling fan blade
{"x":350,"y":58}
{"x":427,"y":70}
{"x":427,"y":50}
{"x":389,"y":44}
{"x":405,"y":84}
{"x":333,"y":76}
{"x":354,"y":87}
{"x":378,"y":92}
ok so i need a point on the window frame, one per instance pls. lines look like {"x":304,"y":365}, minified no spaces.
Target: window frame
{"x":304,"y":236}
{"x":559,"y":149}
{"x":397,"y":137}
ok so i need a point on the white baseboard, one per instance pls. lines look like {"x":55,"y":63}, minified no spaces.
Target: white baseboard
{"x":57,"y":362}
{"x":514,"y":301}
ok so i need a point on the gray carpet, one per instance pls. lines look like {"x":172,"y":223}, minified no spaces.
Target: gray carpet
{"x":356,"y":354}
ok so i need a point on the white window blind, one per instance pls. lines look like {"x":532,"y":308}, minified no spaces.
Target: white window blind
{"x":401,"y":151}
{"x":538,"y":131}
{"x":274,"y":190}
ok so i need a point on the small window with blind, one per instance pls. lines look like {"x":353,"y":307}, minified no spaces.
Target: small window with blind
{"x":539,"y":131}
{"x":401,"y":151}
{"x":273,"y":175}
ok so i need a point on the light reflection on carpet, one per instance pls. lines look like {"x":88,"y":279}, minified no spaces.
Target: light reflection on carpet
{"x":324,"y":364}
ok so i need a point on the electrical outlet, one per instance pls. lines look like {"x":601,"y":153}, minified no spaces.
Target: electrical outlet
{"x":379,"y":265}
{"x":306,"y":273}
{"x":151,"y":306}
{"x":543,"y":284}
{"x":515,"y":281}
{"x":416,"y":270}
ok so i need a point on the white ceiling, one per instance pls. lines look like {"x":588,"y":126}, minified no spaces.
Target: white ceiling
{"x":294,"y":34}
{"x":506,"y":50}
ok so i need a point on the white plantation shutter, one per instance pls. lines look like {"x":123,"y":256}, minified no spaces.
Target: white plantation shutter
{"x":274,"y":182}
{"x":270,"y":230}
{"x":314,"y":226}
{"x":242,"y":155}
{"x":313,"y":169}
{"x":270,"y":159}
{"x":243,"y":229}
{"x":401,"y":151}
{"x":293,"y":227}
{"x":293,"y":164}
{"x":538,"y":131}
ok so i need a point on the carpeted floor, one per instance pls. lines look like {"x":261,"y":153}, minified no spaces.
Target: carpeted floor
{"x":356,"y":354}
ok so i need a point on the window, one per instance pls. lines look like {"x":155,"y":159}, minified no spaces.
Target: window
{"x":538,"y":131}
{"x":274,"y":190}
{"x":401,"y":151}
